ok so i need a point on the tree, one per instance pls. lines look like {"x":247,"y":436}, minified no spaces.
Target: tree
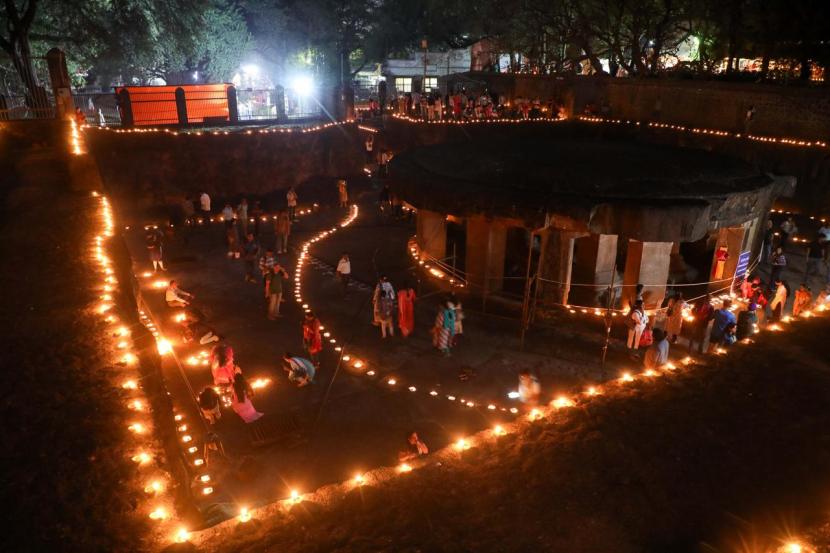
{"x":17,"y":21}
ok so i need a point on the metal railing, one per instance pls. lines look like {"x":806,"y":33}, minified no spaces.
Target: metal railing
{"x":26,"y":97}
{"x":99,"y":108}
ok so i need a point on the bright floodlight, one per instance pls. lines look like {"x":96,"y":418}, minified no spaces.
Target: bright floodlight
{"x":303,"y":85}
{"x":250,"y":69}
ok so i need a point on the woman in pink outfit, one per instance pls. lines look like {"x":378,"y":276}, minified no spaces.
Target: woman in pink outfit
{"x":222,"y":366}
{"x":242,"y":405}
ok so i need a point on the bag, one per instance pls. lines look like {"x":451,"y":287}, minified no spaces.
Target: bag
{"x":646,"y":339}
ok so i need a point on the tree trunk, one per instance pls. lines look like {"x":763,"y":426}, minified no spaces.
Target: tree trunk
{"x":22,"y":60}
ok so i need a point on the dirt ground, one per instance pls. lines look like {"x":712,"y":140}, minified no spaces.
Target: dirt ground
{"x":732,"y":456}
{"x":66,"y":480}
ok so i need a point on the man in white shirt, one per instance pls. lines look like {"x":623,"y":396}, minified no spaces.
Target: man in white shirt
{"x":204,"y":202}
{"x":176,"y":297}
{"x":344,"y":271}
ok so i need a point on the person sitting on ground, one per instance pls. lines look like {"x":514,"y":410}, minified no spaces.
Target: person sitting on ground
{"x":193,"y":328}
{"x":529,"y":388}
{"x":658,"y":353}
{"x":802,"y":299}
{"x":241,"y":400}
{"x":300,"y":370}
{"x":209,"y":404}
{"x":730,"y":334}
{"x":747,"y":321}
{"x":176,"y":297}
{"x":723,"y":318}
{"x":415,"y":448}
{"x":222,"y":365}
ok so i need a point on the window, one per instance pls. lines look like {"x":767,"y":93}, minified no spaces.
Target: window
{"x":403,"y":84}
{"x":430,"y":84}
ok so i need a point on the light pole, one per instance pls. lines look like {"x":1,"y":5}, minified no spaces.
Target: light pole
{"x":424,"y":45}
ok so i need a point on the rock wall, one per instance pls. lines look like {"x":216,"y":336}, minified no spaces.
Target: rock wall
{"x":156,"y":168}
{"x":779,"y":111}
{"x":796,"y":112}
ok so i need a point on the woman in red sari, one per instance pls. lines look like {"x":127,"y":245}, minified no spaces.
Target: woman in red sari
{"x":312,"y":341}
{"x":406,"y":311}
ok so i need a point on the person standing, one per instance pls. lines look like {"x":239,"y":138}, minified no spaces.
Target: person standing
{"x":636,"y":322}
{"x":674,"y":317}
{"x":250,"y":254}
{"x":204,"y":204}
{"x":406,"y":311}
{"x":242,"y":214}
{"x":370,"y":149}
{"x":312,"y":339}
{"x":788,"y":228}
{"x":779,"y":261}
{"x":444,"y":328}
{"x":779,"y":300}
{"x":344,"y":272}
{"x":702,"y":313}
{"x":282,"y":227}
{"x":382,"y":289}
{"x":291,"y":201}
{"x":458,"y":330}
{"x":267,"y":262}
{"x":273,"y":290}
{"x":724,"y":319}
{"x":154,"y":239}
{"x":386,"y":317}
{"x":769,"y":237}
{"x":343,"y":193}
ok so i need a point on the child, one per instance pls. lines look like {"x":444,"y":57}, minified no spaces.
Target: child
{"x":529,"y":388}
{"x":802,"y":300}
{"x":209,"y":404}
{"x":415,"y":448}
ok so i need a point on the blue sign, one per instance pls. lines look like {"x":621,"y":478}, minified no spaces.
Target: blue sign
{"x":740,"y":270}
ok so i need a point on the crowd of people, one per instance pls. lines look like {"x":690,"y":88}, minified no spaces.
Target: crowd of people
{"x":463,"y":105}
{"x":724,"y":321}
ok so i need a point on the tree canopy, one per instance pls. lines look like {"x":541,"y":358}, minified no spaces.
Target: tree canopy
{"x":124,"y":41}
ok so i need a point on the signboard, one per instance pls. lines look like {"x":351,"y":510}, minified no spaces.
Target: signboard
{"x":740,"y":269}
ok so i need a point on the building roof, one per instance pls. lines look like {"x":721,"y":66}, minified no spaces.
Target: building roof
{"x":593,"y":182}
